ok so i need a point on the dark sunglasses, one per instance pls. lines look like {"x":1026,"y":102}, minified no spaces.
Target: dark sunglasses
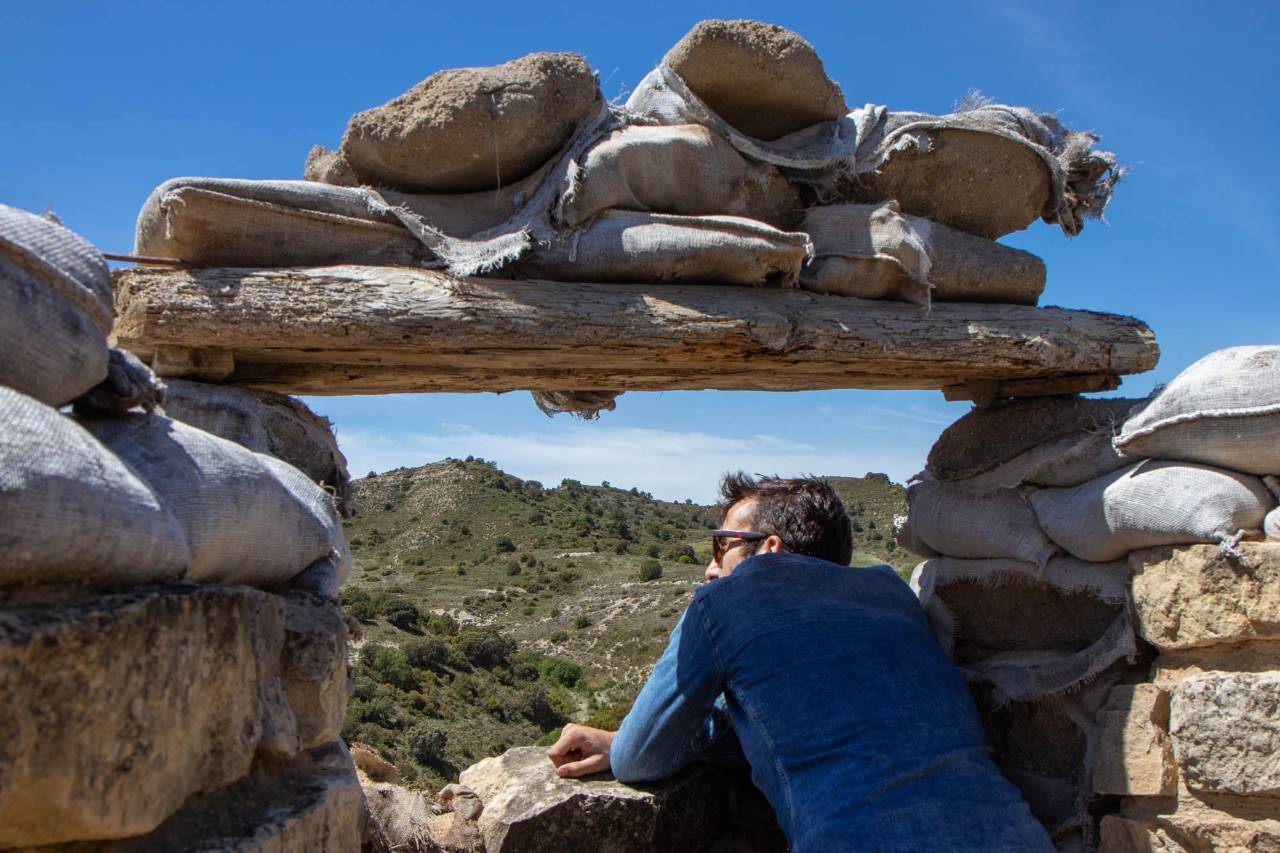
{"x":720,"y":540}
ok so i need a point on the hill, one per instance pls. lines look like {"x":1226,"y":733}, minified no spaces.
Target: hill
{"x":495,"y":609}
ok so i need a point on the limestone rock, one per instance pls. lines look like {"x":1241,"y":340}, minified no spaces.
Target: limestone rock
{"x":1131,"y":754}
{"x":764,"y":80}
{"x":117,"y":708}
{"x":470,"y":129}
{"x":313,"y":667}
{"x":1172,"y":667}
{"x":312,"y":802}
{"x":528,"y":808}
{"x":1196,"y":595}
{"x":1226,"y":732}
{"x":1191,"y":828}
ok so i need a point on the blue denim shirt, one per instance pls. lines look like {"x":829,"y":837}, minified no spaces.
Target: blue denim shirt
{"x":858,"y":729}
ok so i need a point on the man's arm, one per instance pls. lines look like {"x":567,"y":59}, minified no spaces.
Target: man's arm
{"x":670,"y":724}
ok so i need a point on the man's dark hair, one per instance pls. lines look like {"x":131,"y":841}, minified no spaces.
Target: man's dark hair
{"x":805,"y":513}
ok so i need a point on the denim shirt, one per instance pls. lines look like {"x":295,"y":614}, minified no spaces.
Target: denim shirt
{"x":858,"y":729}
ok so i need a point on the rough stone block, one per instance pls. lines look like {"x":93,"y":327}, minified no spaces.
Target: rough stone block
{"x":1226,"y":732}
{"x":1132,"y":755}
{"x":1191,"y":828}
{"x":528,"y":808}
{"x":1196,"y":595}
{"x":117,"y":708}
{"x":313,"y":667}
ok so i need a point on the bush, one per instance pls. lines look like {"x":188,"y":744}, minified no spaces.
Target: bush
{"x":513,"y":568}
{"x":583,"y":621}
{"x":559,"y":636}
{"x":650,"y":570}
{"x":505,"y":545}
{"x":358,"y":603}
{"x":425,"y":744}
{"x":402,"y":614}
{"x":653,"y":550}
{"x":537,"y":708}
{"x":564,"y":673}
{"x":675,"y":552}
{"x":485,"y":648}
{"x":441,"y":625}
{"x":427,"y":653}
{"x":388,"y":665}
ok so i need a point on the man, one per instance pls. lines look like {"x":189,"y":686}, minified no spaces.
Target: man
{"x":858,"y":730}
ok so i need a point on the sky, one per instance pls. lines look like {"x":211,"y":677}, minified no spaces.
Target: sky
{"x":105,"y":100}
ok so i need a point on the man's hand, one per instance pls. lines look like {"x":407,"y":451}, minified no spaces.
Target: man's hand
{"x":580,"y":751}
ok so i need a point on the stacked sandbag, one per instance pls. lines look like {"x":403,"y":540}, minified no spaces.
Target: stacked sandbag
{"x":1062,"y":530}
{"x":173,"y":660}
{"x":736,"y":152}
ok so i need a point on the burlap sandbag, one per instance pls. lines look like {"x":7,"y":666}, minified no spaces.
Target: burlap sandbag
{"x":1223,"y":410}
{"x":874,"y":251}
{"x":688,"y":170}
{"x":1151,"y":503}
{"x":990,"y":436}
{"x":71,"y":512}
{"x":653,"y":248}
{"x":957,"y":523}
{"x":55,"y":309}
{"x":243,"y":523}
{"x":1068,"y":460}
{"x":319,"y":504}
{"x":764,"y":80}
{"x":1031,"y":630}
{"x":283,"y":427}
{"x":472,"y":129}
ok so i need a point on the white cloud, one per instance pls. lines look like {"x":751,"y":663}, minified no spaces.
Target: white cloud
{"x":671,"y":465}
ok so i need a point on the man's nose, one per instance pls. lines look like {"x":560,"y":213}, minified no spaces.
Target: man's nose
{"x":713,"y":571}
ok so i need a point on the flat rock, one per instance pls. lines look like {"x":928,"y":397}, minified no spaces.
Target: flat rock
{"x":764,"y":80}
{"x":1226,"y":732}
{"x":118,"y":708}
{"x":470,"y":129}
{"x":313,"y":667}
{"x":528,"y":808}
{"x":1196,"y":595}
{"x":1132,"y":755}
{"x":1191,"y":827}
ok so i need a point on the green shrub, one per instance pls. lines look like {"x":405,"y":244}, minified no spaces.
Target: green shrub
{"x":559,"y":636}
{"x":583,"y":621}
{"x":442,"y":625}
{"x":564,"y":673}
{"x":425,"y":744}
{"x":536,"y":707}
{"x":358,"y":603}
{"x":403,"y":614}
{"x":653,"y":550}
{"x":505,"y":545}
{"x":650,"y":570}
{"x":485,"y":648}
{"x":388,"y":665}
{"x":428,"y":653}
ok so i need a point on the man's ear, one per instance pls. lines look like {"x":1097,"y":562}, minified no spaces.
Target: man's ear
{"x":772,"y":545}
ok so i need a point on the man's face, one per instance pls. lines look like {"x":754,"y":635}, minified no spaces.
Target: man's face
{"x":740,"y":517}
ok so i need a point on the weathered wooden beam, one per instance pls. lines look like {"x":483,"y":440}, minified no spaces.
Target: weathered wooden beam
{"x":370,"y":330}
{"x":984,"y":392}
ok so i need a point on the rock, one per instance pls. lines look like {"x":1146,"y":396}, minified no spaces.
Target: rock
{"x":328,"y":167}
{"x":1226,"y":732}
{"x":407,"y":822}
{"x":312,"y":802}
{"x":1192,"y":828}
{"x":764,"y":80}
{"x":1172,"y":667}
{"x":986,"y":437}
{"x":313,"y":667}
{"x":462,"y":800}
{"x":1131,"y":754}
{"x":281,"y":426}
{"x":1196,"y":595}
{"x":377,"y":768}
{"x":470,"y":129}
{"x":117,"y":708}
{"x":528,"y":808}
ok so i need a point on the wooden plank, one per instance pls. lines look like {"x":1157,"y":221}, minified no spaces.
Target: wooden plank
{"x":986,"y":391}
{"x":369,"y":330}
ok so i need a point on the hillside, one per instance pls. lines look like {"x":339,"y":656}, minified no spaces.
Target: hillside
{"x":495,"y":609}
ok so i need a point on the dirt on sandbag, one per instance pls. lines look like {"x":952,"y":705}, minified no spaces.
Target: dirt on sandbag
{"x":764,"y":80}
{"x":471,"y":129}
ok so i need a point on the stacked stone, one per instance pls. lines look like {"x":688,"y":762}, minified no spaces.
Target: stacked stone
{"x":1070,"y":541}
{"x":172,"y":668}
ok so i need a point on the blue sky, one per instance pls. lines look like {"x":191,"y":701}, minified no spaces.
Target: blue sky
{"x":103,"y":101}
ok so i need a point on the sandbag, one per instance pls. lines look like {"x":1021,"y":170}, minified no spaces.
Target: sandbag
{"x":130,"y":384}
{"x":328,"y":167}
{"x":72,"y":512}
{"x":987,"y":437}
{"x":471,"y":129}
{"x":1068,"y":460}
{"x":1223,"y":410}
{"x":876,"y":252}
{"x":1030,"y":630}
{"x":687,"y":170}
{"x":957,"y":523}
{"x":652,"y":248}
{"x":1148,"y":504}
{"x":280,"y":426}
{"x":243,"y":522}
{"x":764,"y":80}
{"x":55,"y":309}
{"x":320,"y":505}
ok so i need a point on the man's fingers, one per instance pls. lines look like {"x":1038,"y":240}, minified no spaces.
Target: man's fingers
{"x":587,"y":766}
{"x":563,"y":749}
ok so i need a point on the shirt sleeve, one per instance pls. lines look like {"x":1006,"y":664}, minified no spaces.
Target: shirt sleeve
{"x":674,"y":719}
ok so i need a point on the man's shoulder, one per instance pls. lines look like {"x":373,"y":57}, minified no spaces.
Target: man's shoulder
{"x":793,"y":573}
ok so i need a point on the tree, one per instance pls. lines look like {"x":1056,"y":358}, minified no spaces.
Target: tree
{"x":650,"y":570}
{"x":388,"y":665}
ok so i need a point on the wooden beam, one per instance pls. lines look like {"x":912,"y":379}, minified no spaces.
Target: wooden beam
{"x":984,"y":392}
{"x":371,"y":330}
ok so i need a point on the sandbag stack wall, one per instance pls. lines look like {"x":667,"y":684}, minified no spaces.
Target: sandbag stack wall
{"x":173,"y":670}
{"x":1094,"y":569}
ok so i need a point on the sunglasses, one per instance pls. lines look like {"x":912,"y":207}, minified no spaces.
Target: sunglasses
{"x":720,"y":540}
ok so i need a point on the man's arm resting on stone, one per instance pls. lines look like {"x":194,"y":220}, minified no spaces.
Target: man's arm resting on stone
{"x":671,"y":723}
